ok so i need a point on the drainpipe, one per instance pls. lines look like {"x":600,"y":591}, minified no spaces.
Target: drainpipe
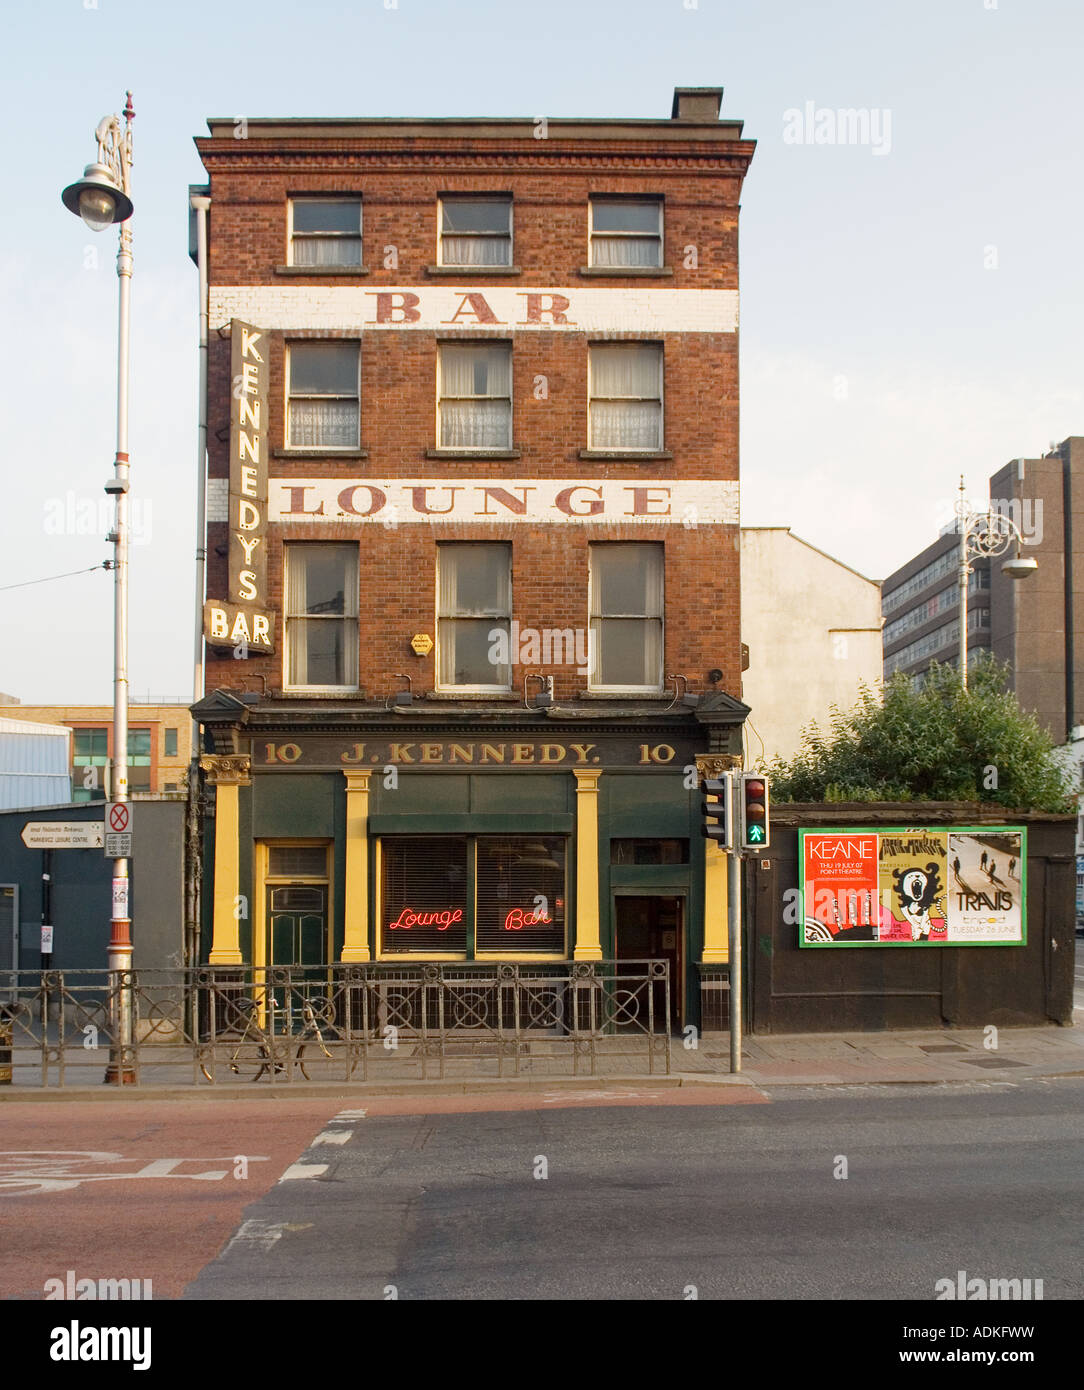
{"x":193,"y":861}
{"x":1070,"y":653}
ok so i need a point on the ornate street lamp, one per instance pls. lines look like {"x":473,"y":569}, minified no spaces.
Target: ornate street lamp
{"x":985,"y":534}
{"x":101,"y":199}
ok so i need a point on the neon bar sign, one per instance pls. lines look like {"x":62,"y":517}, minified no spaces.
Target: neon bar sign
{"x":517,"y":919}
{"x":441,"y":920}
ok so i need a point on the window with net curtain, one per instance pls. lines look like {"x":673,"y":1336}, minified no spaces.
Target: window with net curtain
{"x":475,"y":396}
{"x":626,"y":233}
{"x":325,"y":231}
{"x":322,"y":411}
{"x":476,"y":231}
{"x":474,"y":596}
{"x":321,"y":616}
{"x":626,"y":396}
{"x":626,"y":602}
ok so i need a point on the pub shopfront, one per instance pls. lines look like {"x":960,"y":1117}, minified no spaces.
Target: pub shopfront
{"x":526,"y":837}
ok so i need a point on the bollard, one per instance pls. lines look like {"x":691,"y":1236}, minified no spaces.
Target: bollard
{"x":7,"y":1019}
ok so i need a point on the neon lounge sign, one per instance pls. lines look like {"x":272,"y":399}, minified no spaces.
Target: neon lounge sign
{"x":441,"y":920}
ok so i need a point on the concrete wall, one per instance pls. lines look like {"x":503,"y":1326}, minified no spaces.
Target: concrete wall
{"x":813,"y":629}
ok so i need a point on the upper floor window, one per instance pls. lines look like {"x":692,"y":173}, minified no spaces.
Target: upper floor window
{"x":626,"y":600}
{"x":171,"y":743}
{"x":474,"y":612}
{"x":325,"y":231}
{"x":321,"y":616}
{"x":323,"y":405}
{"x":475,"y":231}
{"x":625,"y":408}
{"x":475,"y":388}
{"x":625,"y":232}
{"x":90,"y":761}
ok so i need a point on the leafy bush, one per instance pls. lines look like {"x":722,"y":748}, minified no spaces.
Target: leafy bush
{"x":940,"y":743}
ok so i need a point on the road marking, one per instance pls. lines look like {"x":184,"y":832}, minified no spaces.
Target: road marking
{"x":332,"y":1136}
{"x":262,"y":1235}
{"x":58,"y":1170}
{"x":348,"y":1116}
{"x":303,"y":1170}
{"x":551,"y":1097}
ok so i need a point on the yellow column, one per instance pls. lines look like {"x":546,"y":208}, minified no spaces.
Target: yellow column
{"x":227,"y":774}
{"x":716,"y":936}
{"x":716,"y":867}
{"x":356,"y":933}
{"x":588,"y":944}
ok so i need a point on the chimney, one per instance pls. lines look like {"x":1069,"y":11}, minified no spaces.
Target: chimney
{"x":696,"y":103}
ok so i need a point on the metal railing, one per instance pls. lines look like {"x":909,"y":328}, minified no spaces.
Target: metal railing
{"x":373,"y":1022}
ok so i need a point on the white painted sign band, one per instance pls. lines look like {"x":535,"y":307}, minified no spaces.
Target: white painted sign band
{"x":395,"y":501}
{"x":498,"y":310}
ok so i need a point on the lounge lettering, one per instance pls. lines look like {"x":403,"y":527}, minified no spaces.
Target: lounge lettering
{"x":408,"y":918}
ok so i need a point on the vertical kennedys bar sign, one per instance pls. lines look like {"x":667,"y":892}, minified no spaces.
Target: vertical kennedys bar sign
{"x":244,"y":621}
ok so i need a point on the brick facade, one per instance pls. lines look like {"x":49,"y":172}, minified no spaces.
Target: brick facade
{"x":588,"y":791}
{"x":698,"y":177}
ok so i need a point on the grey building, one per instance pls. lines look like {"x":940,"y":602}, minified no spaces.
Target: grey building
{"x":920,"y":606}
{"x":1036,"y":624}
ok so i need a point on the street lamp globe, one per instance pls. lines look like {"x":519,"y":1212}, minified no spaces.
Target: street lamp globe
{"x":1020,"y":566}
{"x":97,"y":199}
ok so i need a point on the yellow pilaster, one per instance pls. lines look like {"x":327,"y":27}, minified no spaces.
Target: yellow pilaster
{"x":716,"y":867}
{"x":227,"y":774}
{"x":356,"y":932}
{"x":716,"y":936}
{"x":588,"y":943}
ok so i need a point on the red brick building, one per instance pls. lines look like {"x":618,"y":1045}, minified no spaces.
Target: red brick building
{"x":472,"y":541}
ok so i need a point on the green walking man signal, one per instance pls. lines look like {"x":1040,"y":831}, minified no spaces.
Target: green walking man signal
{"x":753,"y":797}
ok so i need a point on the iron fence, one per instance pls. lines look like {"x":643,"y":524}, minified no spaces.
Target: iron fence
{"x":372,"y":1022}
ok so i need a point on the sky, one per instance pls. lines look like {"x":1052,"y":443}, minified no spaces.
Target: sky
{"x":910,"y":305}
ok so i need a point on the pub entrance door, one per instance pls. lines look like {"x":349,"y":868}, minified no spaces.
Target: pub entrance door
{"x":652,"y":928}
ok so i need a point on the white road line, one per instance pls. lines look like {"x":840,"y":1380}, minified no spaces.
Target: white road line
{"x":263,"y":1234}
{"x":303,"y":1170}
{"x":332,"y":1136}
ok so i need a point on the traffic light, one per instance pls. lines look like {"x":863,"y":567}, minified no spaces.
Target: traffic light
{"x":716,"y":806}
{"x":754,"y":811}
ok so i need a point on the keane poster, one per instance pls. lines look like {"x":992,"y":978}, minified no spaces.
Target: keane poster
{"x":962,"y":886}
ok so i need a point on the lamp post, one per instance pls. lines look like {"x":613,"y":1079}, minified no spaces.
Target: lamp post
{"x":985,"y":534}
{"x":101,"y":198}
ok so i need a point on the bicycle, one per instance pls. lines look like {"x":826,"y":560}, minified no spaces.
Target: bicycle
{"x":258,"y":1051}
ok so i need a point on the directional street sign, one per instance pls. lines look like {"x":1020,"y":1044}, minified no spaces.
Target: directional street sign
{"x":118,"y":816}
{"x":118,"y":846}
{"x":56,"y":834}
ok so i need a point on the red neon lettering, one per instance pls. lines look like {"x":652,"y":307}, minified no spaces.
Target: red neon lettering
{"x":517,"y":919}
{"x":441,"y":920}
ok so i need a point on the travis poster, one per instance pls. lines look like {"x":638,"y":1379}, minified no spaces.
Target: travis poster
{"x":952,"y":886}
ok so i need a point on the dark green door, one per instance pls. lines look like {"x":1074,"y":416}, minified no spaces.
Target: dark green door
{"x":298,"y":917}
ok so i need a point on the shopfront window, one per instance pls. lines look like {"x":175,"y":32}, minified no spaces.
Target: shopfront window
{"x":424,"y":897}
{"x":506,"y":892}
{"x":520,"y":894}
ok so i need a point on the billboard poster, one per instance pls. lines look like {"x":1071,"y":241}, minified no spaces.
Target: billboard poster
{"x":951,"y":886}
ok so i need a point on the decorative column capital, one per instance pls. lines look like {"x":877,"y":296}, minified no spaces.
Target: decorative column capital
{"x":357,"y":779}
{"x":715,"y":764}
{"x":227,"y":769}
{"x":587,"y":778}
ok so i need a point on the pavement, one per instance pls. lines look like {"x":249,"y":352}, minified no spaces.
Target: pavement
{"x":811,"y":1059}
{"x":935,"y":1056}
